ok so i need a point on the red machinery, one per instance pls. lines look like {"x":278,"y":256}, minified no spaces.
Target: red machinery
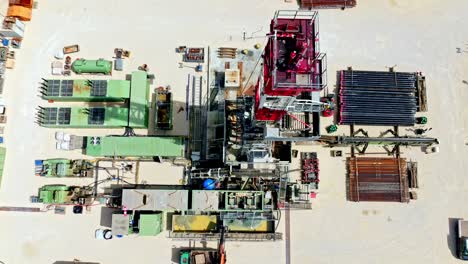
{"x":293,"y":70}
{"x":310,"y":168}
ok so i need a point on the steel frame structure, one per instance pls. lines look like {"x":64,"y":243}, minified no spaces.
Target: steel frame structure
{"x":303,"y":67}
{"x":359,"y":140}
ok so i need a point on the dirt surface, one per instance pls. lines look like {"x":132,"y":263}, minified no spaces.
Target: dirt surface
{"x":417,"y":35}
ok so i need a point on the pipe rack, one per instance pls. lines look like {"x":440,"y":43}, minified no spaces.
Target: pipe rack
{"x":377,"y":98}
{"x":377,"y":180}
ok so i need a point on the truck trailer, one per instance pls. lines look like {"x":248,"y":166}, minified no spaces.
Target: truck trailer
{"x":64,"y":168}
{"x":63,"y":195}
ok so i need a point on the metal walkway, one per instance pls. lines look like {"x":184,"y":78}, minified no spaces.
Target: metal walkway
{"x":197,"y":118}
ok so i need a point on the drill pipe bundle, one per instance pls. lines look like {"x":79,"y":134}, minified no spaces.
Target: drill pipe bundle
{"x":377,"y":98}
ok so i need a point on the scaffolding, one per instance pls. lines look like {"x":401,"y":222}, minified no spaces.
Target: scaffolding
{"x":299,"y":31}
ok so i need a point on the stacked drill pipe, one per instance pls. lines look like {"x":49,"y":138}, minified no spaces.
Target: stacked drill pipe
{"x":377,"y":98}
{"x":377,"y":180}
{"x":326,"y":4}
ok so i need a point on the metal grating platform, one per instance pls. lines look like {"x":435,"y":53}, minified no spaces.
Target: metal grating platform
{"x":50,"y":116}
{"x":228,"y":236}
{"x":99,"y":88}
{"x":64,"y":116}
{"x":53,"y":88}
{"x":96,"y":116}
{"x":66,"y":88}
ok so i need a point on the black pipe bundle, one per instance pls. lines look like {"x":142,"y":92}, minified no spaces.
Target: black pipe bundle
{"x":377,"y":98}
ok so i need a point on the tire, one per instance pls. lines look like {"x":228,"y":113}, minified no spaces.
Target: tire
{"x":107,"y":234}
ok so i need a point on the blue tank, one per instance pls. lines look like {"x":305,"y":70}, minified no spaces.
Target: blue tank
{"x":209,"y":184}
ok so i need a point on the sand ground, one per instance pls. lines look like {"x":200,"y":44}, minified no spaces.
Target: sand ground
{"x":417,"y":35}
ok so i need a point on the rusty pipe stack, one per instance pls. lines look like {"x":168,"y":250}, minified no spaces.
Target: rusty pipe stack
{"x":327,"y":4}
{"x":227,"y":53}
{"x":377,"y":180}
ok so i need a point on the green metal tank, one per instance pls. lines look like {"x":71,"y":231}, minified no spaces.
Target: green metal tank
{"x":92,"y":66}
{"x":51,"y":194}
{"x":63,"y":194}
{"x":64,"y":168}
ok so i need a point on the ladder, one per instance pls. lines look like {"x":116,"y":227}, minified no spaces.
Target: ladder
{"x":214,"y":97}
{"x":196,"y":91}
{"x":196,"y":123}
{"x":293,"y":105}
{"x":284,"y":179}
{"x":300,"y":105}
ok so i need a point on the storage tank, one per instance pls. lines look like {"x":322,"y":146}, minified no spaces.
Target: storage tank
{"x":92,"y":66}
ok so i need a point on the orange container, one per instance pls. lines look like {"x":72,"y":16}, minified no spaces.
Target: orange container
{"x":25,"y":3}
{"x":20,"y":12}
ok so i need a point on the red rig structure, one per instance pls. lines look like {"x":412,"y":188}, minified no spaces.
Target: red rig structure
{"x":287,"y":94}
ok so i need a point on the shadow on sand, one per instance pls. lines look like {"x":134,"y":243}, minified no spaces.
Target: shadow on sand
{"x":452,"y":236}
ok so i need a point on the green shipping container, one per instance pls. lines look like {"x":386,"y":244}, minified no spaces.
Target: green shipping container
{"x":135,"y":146}
{"x":150,"y":224}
